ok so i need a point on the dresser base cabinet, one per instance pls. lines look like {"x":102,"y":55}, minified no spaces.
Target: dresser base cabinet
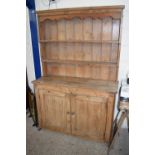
{"x":83,"y":112}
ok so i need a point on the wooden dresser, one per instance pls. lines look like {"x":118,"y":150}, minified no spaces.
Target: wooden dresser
{"x":80,"y":50}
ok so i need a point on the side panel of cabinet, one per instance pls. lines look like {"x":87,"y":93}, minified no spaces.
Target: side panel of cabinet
{"x":54,"y":108}
{"x":110,"y":114}
{"x":89,"y":116}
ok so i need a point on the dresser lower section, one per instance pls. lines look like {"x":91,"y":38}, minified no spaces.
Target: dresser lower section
{"x":82,"y":112}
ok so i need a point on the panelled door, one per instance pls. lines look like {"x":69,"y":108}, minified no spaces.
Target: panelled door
{"x":88,"y":116}
{"x":54,"y":110}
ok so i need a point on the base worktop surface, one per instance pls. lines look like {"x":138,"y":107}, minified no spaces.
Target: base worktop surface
{"x":101,"y":85}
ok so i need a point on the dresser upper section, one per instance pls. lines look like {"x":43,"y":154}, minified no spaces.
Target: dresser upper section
{"x":81,"y":42}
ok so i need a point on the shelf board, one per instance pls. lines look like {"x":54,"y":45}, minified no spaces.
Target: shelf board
{"x":108,"y":86}
{"x":80,"y":41}
{"x":78,"y":62}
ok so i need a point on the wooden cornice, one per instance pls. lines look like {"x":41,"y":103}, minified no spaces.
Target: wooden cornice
{"x":92,"y":12}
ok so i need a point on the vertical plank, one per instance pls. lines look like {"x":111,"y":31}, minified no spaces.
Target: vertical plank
{"x":80,"y":117}
{"x":49,"y":109}
{"x":106,"y":52}
{"x":44,"y":68}
{"x":87,"y":51}
{"x":104,"y":116}
{"x":44,"y":56}
{"x":116,"y":29}
{"x":104,"y":72}
{"x":80,"y":70}
{"x":70,"y":36}
{"x":96,"y":52}
{"x":107,"y":29}
{"x":78,"y":53}
{"x":69,"y":29}
{"x":43,"y":51}
{"x":73,"y":110}
{"x":54,"y":30}
{"x":54,"y":51}
{"x":110,"y":112}
{"x":48,"y":51}
{"x":42,"y":31}
{"x":61,"y":30}
{"x":70,"y":51}
{"x":97,"y":34}
{"x":42,"y":108}
{"x":96,"y":117}
{"x":38,"y":102}
{"x":106,"y":35}
{"x":67,"y":107}
{"x":47,"y":30}
{"x":78,"y":34}
{"x":62,"y":70}
{"x":113,"y":73}
{"x":96,"y":71}
{"x":70,"y":70}
{"x":97,"y":29}
{"x":78,"y":29}
{"x":61,"y":36}
{"x":115,"y":47}
{"x":87,"y":29}
{"x":43,"y":47}
{"x":52,"y":69}
{"x":62,"y":51}
{"x":114,"y":53}
{"x":87,"y":71}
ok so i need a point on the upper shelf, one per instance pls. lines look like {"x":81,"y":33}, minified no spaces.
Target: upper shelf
{"x":81,"y":41}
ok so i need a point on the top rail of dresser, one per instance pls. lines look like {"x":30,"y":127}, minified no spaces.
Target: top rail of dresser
{"x":118,"y":8}
{"x":106,"y":86}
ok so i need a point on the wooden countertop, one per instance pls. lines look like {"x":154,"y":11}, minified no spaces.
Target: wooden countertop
{"x":101,"y":85}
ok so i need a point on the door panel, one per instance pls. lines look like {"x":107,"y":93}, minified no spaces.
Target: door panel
{"x":88,"y":116}
{"x":54,"y":110}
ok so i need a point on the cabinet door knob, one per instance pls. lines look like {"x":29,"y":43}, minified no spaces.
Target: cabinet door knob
{"x":68,"y":112}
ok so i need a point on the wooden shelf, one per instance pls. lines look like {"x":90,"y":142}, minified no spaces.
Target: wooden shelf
{"x":108,"y":86}
{"x":78,"y":62}
{"x":80,"y":41}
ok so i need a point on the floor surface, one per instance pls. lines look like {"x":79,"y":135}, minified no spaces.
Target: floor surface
{"x":45,"y":142}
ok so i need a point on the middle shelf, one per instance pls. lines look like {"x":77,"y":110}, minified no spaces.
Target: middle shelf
{"x":81,"y":41}
{"x":78,"y":62}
